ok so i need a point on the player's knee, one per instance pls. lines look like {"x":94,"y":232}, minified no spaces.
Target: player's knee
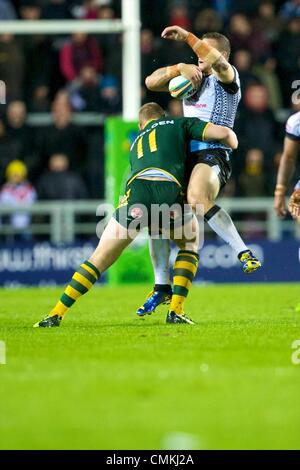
{"x":200,"y":198}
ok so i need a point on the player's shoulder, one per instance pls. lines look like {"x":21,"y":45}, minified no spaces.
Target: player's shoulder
{"x":233,"y":87}
{"x":293,"y":125}
{"x":186,"y":121}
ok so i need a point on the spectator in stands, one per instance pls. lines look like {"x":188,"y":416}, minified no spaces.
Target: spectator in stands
{"x":105,"y":12}
{"x":81,"y":51}
{"x":11,"y":66}
{"x":111,"y":45}
{"x":252,"y":180}
{"x":179,"y":16}
{"x":20,"y":134}
{"x":7,"y":150}
{"x":38,"y":64}
{"x":95,"y":93}
{"x":30,"y":10}
{"x":290,"y":9}
{"x":207,"y":20}
{"x":7,"y":11}
{"x":149,"y":54}
{"x":110,"y":95}
{"x":242,"y":60}
{"x":88,"y":10}
{"x":267,"y":20}
{"x":40,"y":99}
{"x":256,"y":125}
{"x":62,"y":136}
{"x":59,"y":182}
{"x":56,"y":10}
{"x":266,"y":73}
{"x":17,"y":191}
{"x":240,"y":6}
{"x":242,"y":36}
{"x":288,"y":57}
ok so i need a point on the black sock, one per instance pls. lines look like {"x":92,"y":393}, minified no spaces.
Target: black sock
{"x":211,"y":212}
{"x":167,"y":288}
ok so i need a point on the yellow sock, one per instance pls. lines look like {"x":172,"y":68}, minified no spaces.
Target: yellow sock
{"x":81,"y":282}
{"x":185,"y":268}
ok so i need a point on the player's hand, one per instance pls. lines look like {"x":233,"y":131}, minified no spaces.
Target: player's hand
{"x":294,"y":204}
{"x":175,"y":33}
{"x":279,"y":205}
{"x":192,"y":73}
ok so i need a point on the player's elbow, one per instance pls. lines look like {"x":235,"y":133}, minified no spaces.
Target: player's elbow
{"x":233,"y":140}
{"x":229,"y":138}
{"x":149,"y":82}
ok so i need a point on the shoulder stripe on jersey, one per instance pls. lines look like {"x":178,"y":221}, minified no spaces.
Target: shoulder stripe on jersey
{"x":204,"y":130}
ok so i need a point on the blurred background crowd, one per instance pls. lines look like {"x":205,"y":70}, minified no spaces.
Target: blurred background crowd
{"x":65,"y":75}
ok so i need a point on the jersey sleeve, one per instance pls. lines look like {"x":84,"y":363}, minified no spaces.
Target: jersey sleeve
{"x":233,"y":87}
{"x":292,"y":128}
{"x":195,"y":128}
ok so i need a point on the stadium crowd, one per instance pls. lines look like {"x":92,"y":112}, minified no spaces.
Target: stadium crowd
{"x":62,"y":75}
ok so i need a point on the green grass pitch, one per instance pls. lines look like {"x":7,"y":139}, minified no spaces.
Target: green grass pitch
{"x":108,"y":380}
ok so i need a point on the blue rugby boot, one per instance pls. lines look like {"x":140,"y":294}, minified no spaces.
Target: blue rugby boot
{"x":154,"y":299}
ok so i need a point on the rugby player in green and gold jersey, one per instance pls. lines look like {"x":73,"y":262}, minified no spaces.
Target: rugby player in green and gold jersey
{"x":157,"y":159}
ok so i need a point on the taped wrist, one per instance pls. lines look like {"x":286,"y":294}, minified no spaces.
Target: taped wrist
{"x":280,"y":190}
{"x":202,"y":49}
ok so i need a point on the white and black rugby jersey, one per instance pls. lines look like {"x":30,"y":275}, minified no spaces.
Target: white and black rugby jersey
{"x":215,"y":102}
{"x":292,"y":128}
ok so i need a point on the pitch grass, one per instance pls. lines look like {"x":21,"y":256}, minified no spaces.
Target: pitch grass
{"x":108,"y":380}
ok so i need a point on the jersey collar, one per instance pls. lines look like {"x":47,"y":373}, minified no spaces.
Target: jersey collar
{"x":148,"y":122}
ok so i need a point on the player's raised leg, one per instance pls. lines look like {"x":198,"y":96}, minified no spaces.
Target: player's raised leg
{"x":204,"y":187}
{"x":162,"y":291}
{"x":114,"y":240}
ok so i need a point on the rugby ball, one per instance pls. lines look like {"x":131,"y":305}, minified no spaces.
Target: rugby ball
{"x":181,"y":88}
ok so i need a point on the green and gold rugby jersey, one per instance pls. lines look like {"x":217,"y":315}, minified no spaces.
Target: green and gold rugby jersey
{"x":163,"y":145}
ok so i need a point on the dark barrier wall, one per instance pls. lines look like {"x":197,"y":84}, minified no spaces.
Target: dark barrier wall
{"x":45,"y":264}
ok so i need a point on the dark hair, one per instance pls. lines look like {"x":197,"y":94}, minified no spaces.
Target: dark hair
{"x":223,"y":41}
{"x":150,"y":111}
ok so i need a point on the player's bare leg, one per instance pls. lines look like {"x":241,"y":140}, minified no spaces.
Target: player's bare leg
{"x":114,"y":240}
{"x":203,"y":189}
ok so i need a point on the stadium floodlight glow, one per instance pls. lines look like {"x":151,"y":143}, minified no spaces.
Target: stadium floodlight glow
{"x":129,"y":26}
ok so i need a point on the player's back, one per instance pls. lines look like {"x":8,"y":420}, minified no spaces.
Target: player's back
{"x":162,"y":144}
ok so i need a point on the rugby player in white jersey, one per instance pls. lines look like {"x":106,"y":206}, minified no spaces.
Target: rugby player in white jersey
{"x":208,"y":168}
{"x":287,"y":167}
{"x":286,"y":170}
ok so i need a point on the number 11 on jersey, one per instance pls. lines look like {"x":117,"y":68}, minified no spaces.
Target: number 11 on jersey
{"x":152,"y":144}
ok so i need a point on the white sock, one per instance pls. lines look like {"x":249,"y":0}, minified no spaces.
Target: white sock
{"x":220,"y":221}
{"x":160,"y":254}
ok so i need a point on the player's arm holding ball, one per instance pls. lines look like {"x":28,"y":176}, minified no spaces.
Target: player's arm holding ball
{"x":160,"y":78}
{"x":204,"y":51}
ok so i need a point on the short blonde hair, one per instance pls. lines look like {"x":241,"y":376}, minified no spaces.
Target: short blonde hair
{"x":150,"y":111}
